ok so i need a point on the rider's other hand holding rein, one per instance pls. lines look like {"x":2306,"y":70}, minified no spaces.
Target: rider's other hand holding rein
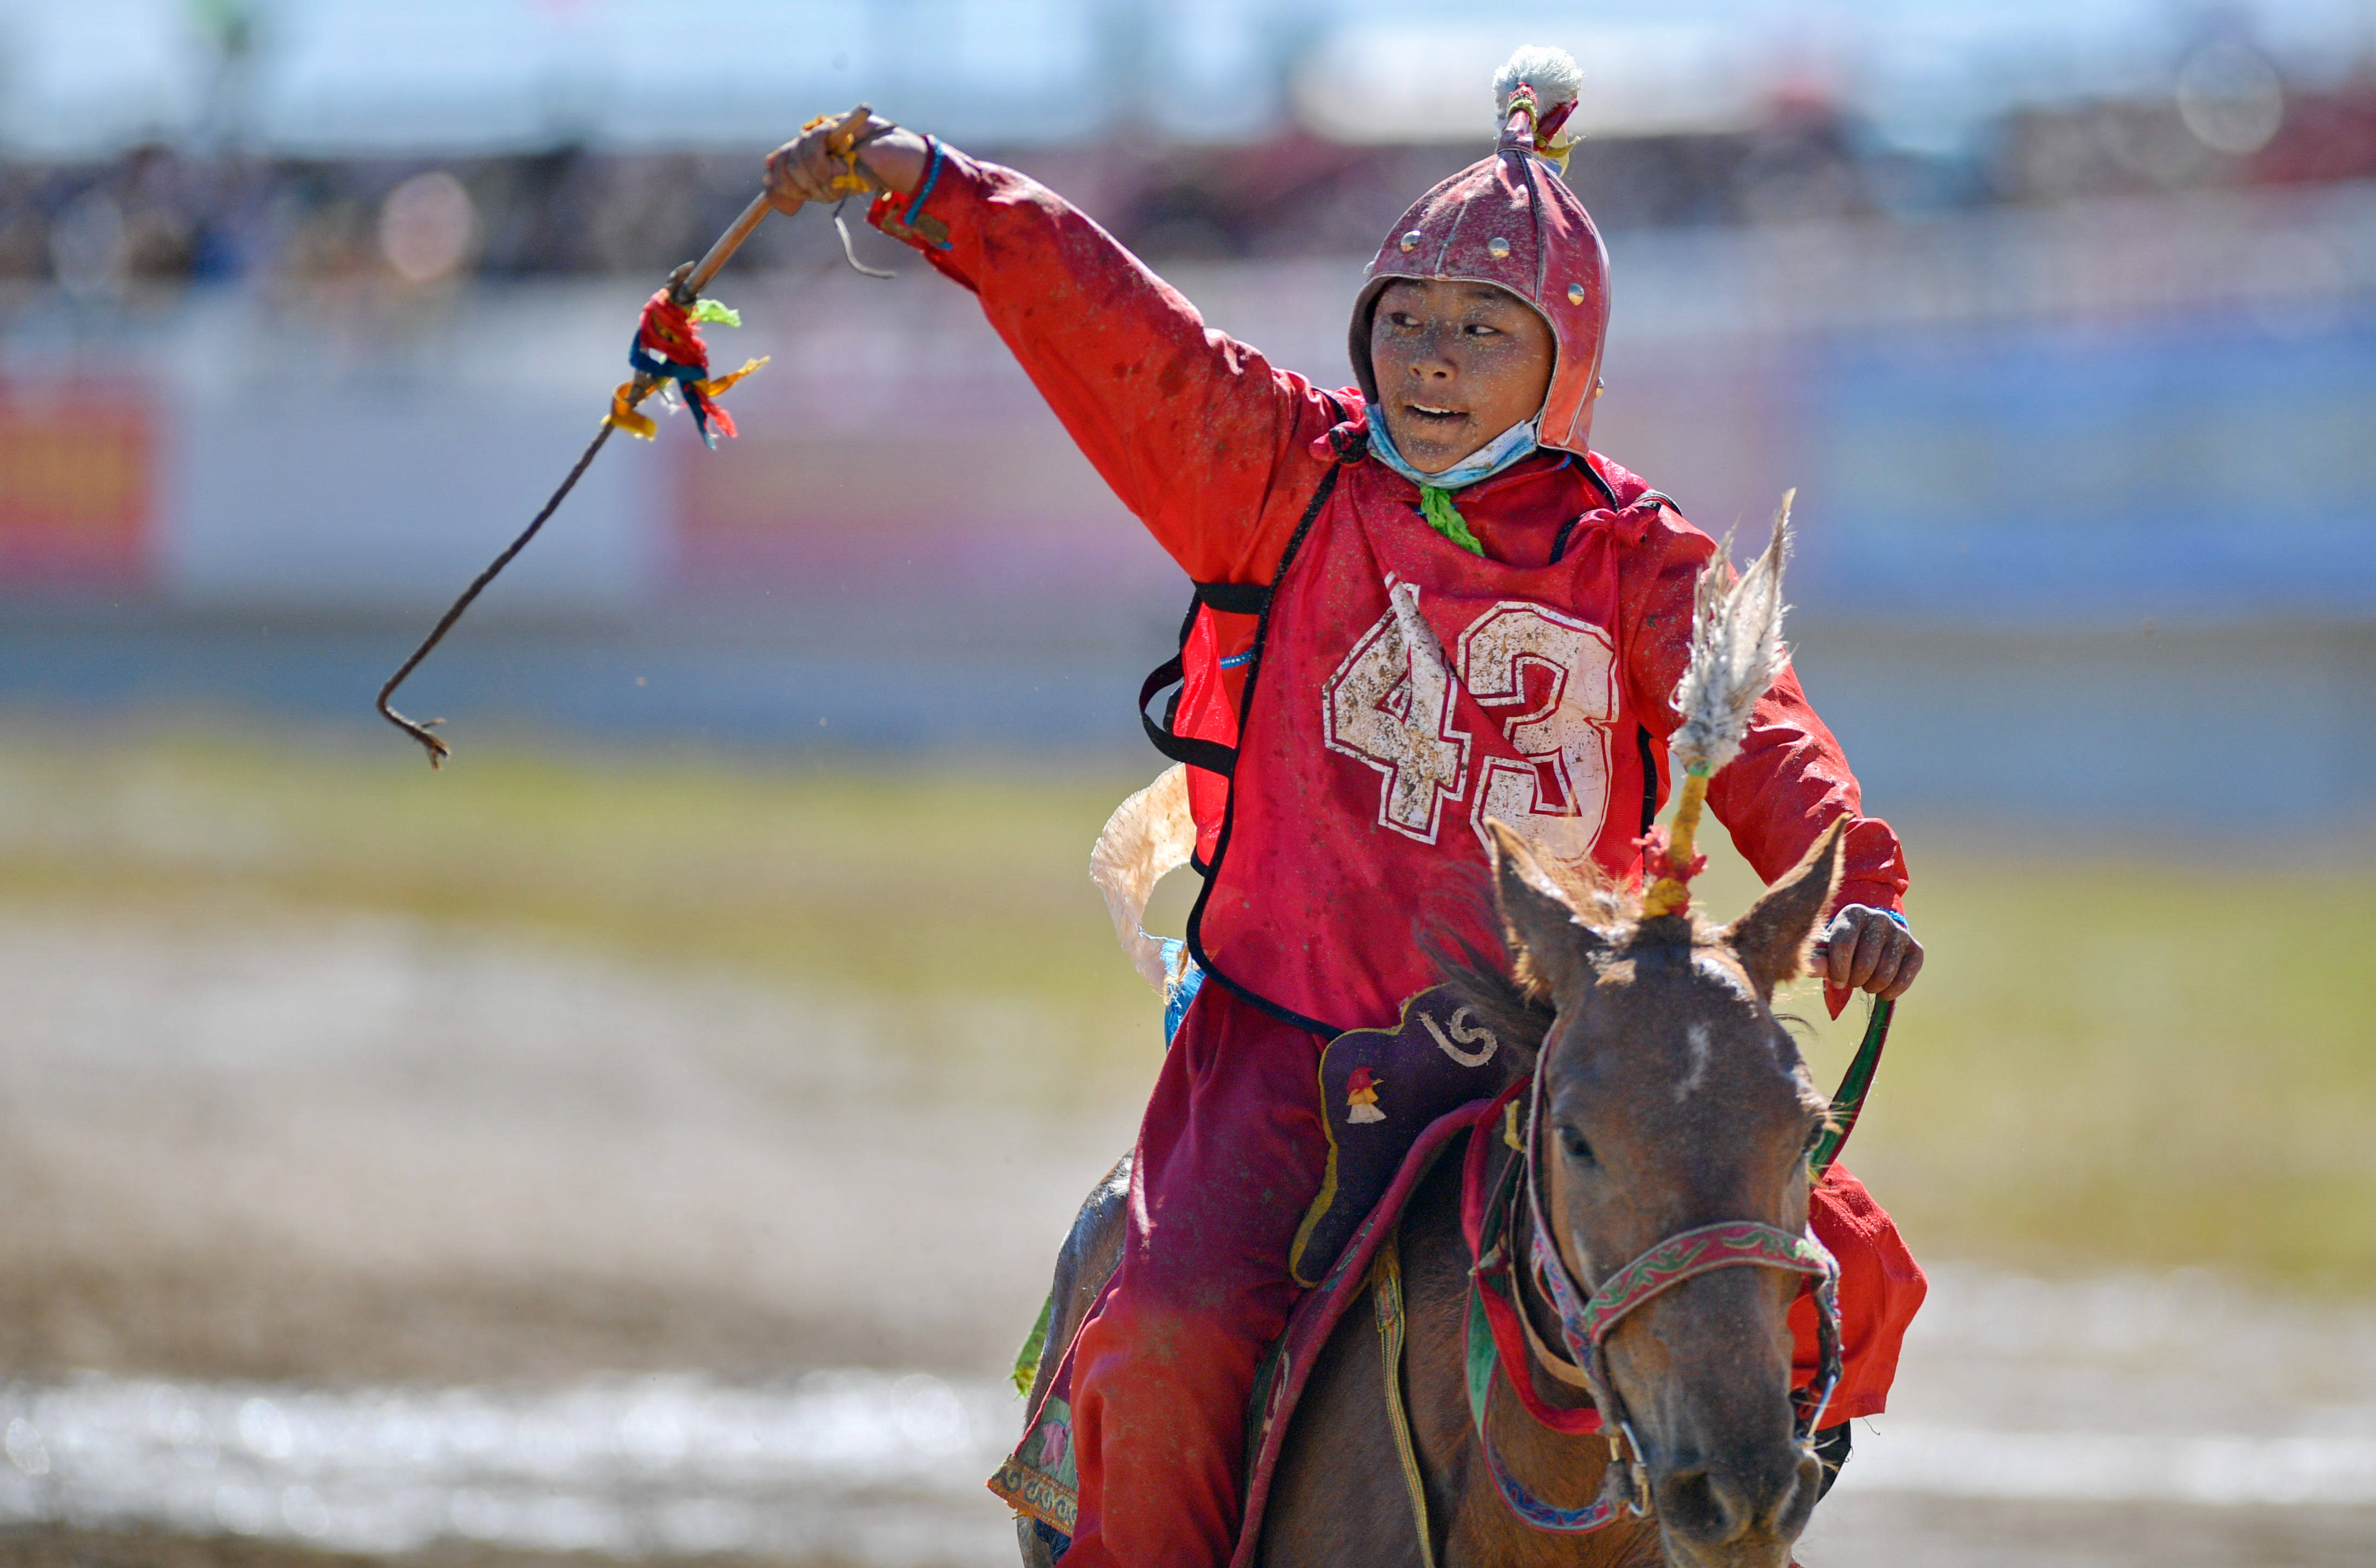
{"x":1866,"y":950}
{"x":804,"y":169}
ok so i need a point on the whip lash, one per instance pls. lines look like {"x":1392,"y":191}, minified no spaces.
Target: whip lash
{"x":668,"y":350}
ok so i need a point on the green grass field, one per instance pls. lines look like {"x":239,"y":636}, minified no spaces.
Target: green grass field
{"x":2109,"y":1063}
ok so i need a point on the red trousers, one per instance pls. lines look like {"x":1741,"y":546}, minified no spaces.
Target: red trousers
{"x":1230,"y":1155}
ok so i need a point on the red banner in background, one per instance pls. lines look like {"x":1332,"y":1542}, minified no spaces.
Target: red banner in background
{"x":77,"y":471}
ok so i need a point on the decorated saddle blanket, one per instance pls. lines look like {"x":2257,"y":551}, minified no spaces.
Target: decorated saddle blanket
{"x":1393,"y":1099}
{"x":1378,"y":1090}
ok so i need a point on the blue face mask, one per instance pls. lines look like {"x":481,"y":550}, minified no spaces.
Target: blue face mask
{"x":1504,"y":449}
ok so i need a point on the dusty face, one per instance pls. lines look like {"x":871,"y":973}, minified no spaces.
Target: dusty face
{"x":1673,"y":1099}
{"x":1456,"y":364}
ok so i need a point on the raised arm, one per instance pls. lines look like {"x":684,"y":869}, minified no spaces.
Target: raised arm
{"x":1200,"y":436}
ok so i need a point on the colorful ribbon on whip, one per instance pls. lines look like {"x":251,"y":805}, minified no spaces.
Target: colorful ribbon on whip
{"x":668,"y":347}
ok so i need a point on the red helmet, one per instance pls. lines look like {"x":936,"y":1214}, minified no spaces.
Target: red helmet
{"x":1510,"y":221}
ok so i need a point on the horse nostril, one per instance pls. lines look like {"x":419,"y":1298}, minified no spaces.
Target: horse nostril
{"x":1709,"y":1506}
{"x":1695,"y":1505}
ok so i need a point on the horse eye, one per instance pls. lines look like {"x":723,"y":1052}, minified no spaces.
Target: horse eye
{"x":1571,"y":1145}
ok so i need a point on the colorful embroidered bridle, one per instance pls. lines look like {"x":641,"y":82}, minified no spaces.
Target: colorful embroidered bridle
{"x":1587,"y":1318}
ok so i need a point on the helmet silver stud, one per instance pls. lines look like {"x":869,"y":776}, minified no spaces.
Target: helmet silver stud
{"x":1410,"y":240}
{"x":1575,"y":293}
{"x":1497,"y":248}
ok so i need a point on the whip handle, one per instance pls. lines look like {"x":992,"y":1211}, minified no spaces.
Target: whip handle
{"x":728,"y":244}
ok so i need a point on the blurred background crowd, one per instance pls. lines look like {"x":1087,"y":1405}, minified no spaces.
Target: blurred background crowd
{"x":588,"y":1093}
{"x":285,"y":143}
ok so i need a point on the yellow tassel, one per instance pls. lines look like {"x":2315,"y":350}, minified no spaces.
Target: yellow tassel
{"x":713,"y":387}
{"x":1669,"y":894}
{"x":623,"y":414}
{"x":1681,"y":838}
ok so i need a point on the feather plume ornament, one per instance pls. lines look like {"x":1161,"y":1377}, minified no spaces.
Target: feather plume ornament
{"x":1553,"y":73}
{"x":1540,"y":83}
{"x":1737,"y":652}
{"x":1149,"y":835}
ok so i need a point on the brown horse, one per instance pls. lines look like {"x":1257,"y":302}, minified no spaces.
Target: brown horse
{"x":1671,"y":1098}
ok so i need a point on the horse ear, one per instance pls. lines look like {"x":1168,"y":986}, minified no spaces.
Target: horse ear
{"x":1772,"y":939}
{"x":1547,"y":936}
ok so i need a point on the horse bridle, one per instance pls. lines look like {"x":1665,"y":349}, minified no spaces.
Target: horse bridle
{"x":1588,"y":1317}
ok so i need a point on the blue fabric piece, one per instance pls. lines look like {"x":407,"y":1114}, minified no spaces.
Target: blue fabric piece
{"x":644,"y":362}
{"x":1183,"y":990}
{"x":1510,"y":447}
{"x":932,"y":178}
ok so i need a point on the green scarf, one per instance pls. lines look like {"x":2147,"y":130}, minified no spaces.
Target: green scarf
{"x":1436,"y":507}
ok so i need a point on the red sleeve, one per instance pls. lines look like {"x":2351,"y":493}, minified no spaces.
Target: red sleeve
{"x":1791,"y":778}
{"x":1200,"y":436}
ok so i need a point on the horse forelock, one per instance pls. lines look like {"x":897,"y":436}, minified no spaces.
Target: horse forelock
{"x":1624,"y":953}
{"x":1508,"y":991}
{"x":1623,"y":950}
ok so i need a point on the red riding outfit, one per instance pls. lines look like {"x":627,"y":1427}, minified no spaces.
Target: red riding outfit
{"x":1405,"y":689}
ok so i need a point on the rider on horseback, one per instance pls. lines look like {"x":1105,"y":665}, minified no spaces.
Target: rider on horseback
{"x":1455,"y":609}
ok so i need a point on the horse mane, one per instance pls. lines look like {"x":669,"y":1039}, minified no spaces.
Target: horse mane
{"x":1518,"y":1010}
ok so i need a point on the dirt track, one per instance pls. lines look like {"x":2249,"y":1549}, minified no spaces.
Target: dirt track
{"x":248,"y":1135}
{"x":59,"y":1547}
{"x":1893,"y":1534}
{"x":242,"y":1144}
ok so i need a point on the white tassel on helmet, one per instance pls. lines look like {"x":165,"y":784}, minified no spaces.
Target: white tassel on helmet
{"x":1553,"y":73}
{"x":1550,"y":79}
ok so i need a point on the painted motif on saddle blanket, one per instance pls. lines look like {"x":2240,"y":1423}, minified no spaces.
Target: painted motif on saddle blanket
{"x":1378,"y":1089}
{"x":1391,"y":1098}
{"x":1039,"y":1478}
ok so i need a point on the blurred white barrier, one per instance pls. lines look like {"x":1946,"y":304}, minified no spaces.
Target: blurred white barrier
{"x":2145,"y":407}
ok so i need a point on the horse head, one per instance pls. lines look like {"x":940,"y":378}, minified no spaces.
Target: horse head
{"x":1671,"y":1098}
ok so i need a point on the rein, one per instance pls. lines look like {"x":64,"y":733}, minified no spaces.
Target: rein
{"x":1588,"y":1317}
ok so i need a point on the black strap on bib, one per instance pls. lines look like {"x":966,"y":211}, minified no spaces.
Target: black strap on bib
{"x":1227,"y":598}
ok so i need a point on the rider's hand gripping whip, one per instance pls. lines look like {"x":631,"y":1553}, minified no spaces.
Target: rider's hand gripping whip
{"x":668,"y":350}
